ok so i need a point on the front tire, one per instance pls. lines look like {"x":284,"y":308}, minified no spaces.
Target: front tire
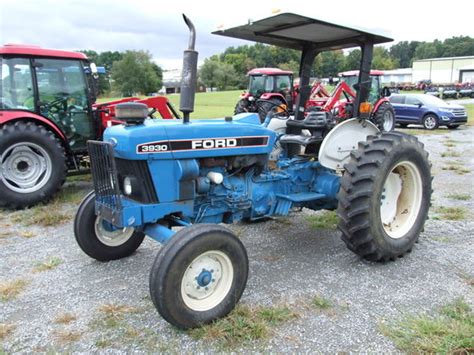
{"x":98,"y":238}
{"x":32,"y":165}
{"x":384,"y":118}
{"x":199,"y":275}
{"x":430,"y":122}
{"x":384,"y":196}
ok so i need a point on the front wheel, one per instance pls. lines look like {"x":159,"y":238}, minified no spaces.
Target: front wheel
{"x":199,"y":276}
{"x":430,"y":122}
{"x":384,"y":118}
{"x":385,"y":196}
{"x":100,"y":239}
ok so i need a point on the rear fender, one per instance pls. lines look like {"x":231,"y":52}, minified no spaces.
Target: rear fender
{"x":271,"y":95}
{"x":379,"y":103}
{"x":14,"y":115}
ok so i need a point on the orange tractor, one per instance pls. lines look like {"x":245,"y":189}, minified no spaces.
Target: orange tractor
{"x":48,"y":111}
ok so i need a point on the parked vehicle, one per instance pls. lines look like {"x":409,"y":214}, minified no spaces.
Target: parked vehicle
{"x":427,"y":110}
{"x":150,"y":176}
{"x":47,"y":114}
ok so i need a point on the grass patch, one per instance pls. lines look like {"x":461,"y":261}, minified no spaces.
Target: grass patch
{"x":11,"y":289}
{"x":467,"y":278}
{"x":321,"y":303}
{"x":449,"y":144}
{"x":6,"y":330}
{"x":243,"y":325}
{"x":323,"y":220}
{"x":71,"y":193}
{"x":46,"y":215}
{"x":460,"y":197}
{"x":65,"y":318}
{"x":5,"y":234}
{"x":457,"y":168}
{"x":450,"y":330}
{"x":49,"y":264}
{"x":470,"y":114}
{"x":451,"y":213}
{"x":113,"y":314}
{"x":450,"y":153}
{"x":67,"y":336}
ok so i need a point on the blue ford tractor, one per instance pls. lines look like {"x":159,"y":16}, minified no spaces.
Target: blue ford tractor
{"x":179,"y":181}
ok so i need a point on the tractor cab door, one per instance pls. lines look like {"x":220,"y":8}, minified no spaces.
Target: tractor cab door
{"x":63,"y":98}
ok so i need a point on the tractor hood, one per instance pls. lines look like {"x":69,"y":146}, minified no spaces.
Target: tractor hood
{"x":171,"y":139}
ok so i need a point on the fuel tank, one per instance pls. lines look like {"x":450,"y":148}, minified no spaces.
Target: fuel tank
{"x":171,"y":139}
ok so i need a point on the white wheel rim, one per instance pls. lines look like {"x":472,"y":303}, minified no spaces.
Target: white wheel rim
{"x":111,"y":238}
{"x":207,"y":281}
{"x":387,"y":121}
{"x":25,"y":167}
{"x":401,"y":199}
{"x":430,"y":122}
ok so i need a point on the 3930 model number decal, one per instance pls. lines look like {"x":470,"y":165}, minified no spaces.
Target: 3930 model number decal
{"x":202,"y":144}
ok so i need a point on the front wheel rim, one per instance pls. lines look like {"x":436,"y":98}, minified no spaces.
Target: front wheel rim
{"x":111,"y":237}
{"x":207,"y":281}
{"x":25,"y":167}
{"x":430,"y":122}
{"x":401,"y":199}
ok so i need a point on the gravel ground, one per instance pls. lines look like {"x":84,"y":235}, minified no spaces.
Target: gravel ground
{"x":289,"y":264}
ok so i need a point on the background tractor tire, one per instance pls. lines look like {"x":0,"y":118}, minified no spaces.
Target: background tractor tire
{"x":430,"y":122}
{"x":199,"y":275}
{"x":384,"y":196}
{"x":98,"y":239}
{"x":241,"y":106}
{"x":32,"y":165}
{"x":265,"y":107}
{"x":384,"y":118}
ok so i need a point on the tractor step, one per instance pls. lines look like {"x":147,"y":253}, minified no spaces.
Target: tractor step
{"x":302,"y":196}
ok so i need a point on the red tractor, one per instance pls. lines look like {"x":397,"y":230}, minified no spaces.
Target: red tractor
{"x":47,"y":114}
{"x":340,"y":101}
{"x":271,"y":84}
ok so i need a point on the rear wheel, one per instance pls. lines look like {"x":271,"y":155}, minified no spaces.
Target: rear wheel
{"x":100,"y":239}
{"x":385,"y":196}
{"x":199,"y":275}
{"x":384,"y":118}
{"x":430,"y":122}
{"x":242,"y":106}
{"x":32,"y":165}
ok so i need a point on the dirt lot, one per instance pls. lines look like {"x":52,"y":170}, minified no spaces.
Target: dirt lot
{"x":321,"y":296}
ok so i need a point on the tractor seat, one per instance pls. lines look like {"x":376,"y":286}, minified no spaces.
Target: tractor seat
{"x":299,"y":139}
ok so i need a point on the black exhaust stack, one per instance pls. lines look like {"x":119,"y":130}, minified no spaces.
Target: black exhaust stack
{"x":189,"y":74}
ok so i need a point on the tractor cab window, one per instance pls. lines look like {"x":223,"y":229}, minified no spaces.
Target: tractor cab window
{"x":283,"y":84}
{"x":257,"y":85}
{"x":269,"y":84}
{"x":63,"y":97}
{"x":16,"y":86}
{"x":374,"y":92}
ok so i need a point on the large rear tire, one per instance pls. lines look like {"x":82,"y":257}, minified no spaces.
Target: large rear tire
{"x":199,"y":275}
{"x":384,"y":118}
{"x":385,"y":196}
{"x":98,"y":238}
{"x":265,"y":106}
{"x":32,"y":165}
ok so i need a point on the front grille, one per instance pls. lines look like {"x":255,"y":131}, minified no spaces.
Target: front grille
{"x":143,"y":189}
{"x":104,"y":175}
{"x":459,"y":113}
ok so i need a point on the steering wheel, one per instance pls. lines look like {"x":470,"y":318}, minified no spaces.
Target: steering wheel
{"x":271,"y":104}
{"x":55,"y":105}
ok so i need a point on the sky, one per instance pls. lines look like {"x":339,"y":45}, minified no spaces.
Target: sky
{"x":157,"y":26}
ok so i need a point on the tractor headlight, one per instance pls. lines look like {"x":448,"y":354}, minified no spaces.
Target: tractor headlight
{"x":127,"y":186}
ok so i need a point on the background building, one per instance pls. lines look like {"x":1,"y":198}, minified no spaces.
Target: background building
{"x":444,"y":70}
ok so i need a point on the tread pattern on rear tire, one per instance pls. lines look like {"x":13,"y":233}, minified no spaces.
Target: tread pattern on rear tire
{"x":357,"y":189}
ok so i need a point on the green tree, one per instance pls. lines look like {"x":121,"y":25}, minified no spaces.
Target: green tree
{"x":208,"y":72}
{"x":382,"y":59}
{"x":135,"y":74}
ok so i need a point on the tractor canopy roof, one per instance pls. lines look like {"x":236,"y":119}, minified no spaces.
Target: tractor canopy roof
{"x":356,"y":73}
{"x":269,"y":71}
{"x":294,"y":31}
{"x":36,"y":51}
